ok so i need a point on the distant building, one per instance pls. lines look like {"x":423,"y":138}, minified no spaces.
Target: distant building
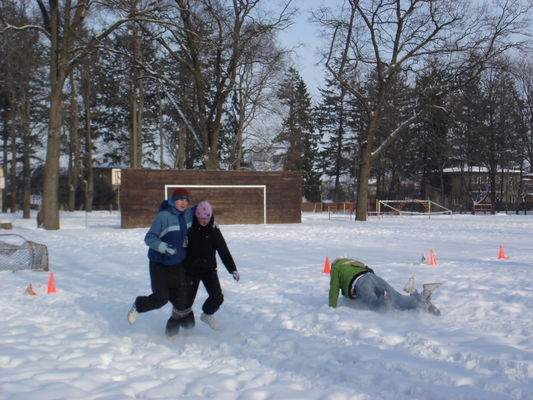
{"x":466,"y":186}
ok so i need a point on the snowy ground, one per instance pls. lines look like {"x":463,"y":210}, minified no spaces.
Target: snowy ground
{"x":279,"y":340}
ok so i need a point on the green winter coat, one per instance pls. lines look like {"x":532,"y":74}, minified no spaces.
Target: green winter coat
{"x":342,"y":274}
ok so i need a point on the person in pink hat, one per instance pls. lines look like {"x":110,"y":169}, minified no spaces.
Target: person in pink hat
{"x":205,"y":240}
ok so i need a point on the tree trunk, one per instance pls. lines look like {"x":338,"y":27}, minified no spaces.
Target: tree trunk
{"x":362,"y":182}
{"x":89,"y":176}
{"x":212,"y":158}
{"x":180,"y":156}
{"x":5,"y":162}
{"x":137,"y":104}
{"x":50,"y":203}
{"x":26,"y":196}
{"x":161,"y":136}
{"x":365,"y":162}
{"x":58,"y":65}
{"x":13,"y":171}
{"x":236,"y":155}
{"x":74,"y":150}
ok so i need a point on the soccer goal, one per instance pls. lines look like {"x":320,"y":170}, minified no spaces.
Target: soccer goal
{"x":18,"y":253}
{"x":340,"y":210}
{"x":252,"y":198}
{"x":410,"y":207}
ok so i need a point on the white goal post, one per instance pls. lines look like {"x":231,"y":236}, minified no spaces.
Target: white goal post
{"x":397,"y":207}
{"x":263,"y":187}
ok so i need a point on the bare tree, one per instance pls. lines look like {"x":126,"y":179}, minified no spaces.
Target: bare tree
{"x":389,"y":40}
{"x":260,"y":70}
{"x":62,"y":20}
{"x":502,"y":128}
{"x":74,"y":144}
{"x":524,"y":77}
{"x":522,"y":70}
{"x":137,"y":95}
{"x":21,"y":55}
{"x":210,"y":41}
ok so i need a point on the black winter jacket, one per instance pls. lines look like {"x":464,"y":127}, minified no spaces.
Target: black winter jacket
{"x":204,"y":242}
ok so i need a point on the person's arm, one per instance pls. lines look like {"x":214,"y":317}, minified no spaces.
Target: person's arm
{"x":223,"y":251}
{"x":334,"y":287}
{"x":152,"y":239}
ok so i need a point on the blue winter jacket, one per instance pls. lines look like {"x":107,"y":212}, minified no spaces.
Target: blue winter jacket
{"x":169,"y":227}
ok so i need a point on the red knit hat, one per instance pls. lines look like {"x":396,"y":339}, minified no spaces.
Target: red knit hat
{"x":180,"y":193}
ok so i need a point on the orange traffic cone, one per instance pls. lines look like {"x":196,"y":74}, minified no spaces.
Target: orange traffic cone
{"x":432,"y":259}
{"x":29,"y":290}
{"x":327,"y":268}
{"x":502,"y":254}
{"x":51,"y":285}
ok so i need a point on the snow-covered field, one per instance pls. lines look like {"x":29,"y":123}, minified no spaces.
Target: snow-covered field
{"x":279,"y":339}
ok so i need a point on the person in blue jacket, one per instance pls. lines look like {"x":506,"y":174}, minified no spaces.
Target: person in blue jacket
{"x":167,"y":242}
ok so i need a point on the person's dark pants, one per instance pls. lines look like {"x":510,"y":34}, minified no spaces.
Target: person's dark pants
{"x":169,"y":283}
{"x":213,"y":288}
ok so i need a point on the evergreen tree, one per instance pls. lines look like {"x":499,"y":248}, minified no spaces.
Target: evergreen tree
{"x":298,"y":137}
{"x":502,"y":133}
{"x":334,"y":117}
{"x":487,"y":129}
{"x":431,"y":145}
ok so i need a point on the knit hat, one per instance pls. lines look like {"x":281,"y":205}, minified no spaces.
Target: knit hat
{"x":204,"y":210}
{"x":180,"y":193}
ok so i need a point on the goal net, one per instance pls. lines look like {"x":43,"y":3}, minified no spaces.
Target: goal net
{"x":251,"y":199}
{"x":17,"y":253}
{"x":410,"y":207}
{"x":340,"y":210}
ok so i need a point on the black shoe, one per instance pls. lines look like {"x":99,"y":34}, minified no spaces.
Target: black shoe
{"x":173,"y":327}
{"x":188,"y":322}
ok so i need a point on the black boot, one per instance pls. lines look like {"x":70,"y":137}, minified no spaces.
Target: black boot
{"x":188,"y":321}
{"x":173,"y":327}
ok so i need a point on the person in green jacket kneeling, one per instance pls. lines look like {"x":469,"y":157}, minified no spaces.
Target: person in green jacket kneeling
{"x":356,"y":280}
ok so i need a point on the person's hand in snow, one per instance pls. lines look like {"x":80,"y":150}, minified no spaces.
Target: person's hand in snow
{"x":236,"y":276}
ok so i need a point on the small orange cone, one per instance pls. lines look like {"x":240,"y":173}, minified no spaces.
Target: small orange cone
{"x":29,"y":290}
{"x":502,"y":254}
{"x":51,"y":285}
{"x":327,"y":268}
{"x":432,"y":259}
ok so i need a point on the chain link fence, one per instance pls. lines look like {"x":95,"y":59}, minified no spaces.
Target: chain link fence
{"x":18,"y":253}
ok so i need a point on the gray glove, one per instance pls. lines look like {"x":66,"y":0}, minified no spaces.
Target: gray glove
{"x":167,"y":249}
{"x":236,"y":275}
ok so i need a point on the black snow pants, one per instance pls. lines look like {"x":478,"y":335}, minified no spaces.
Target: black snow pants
{"x":169,"y":283}
{"x":213,"y":288}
